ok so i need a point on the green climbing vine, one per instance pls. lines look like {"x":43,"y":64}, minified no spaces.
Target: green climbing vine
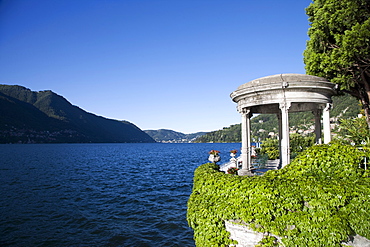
{"x":320,"y":199}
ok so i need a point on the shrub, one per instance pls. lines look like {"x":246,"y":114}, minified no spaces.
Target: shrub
{"x":320,"y":199}
{"x":354,"y":131}
{"x":298,"y":143}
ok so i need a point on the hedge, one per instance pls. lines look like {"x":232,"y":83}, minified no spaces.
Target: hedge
{"x":319,"y":199}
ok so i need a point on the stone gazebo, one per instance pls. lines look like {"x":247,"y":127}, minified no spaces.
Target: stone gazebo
{"x":281,"y":94}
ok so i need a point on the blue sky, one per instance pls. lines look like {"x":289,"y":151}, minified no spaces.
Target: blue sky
{"x":168,"y":64}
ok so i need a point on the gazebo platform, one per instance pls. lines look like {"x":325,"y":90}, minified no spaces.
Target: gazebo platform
{"x":256,"y":168}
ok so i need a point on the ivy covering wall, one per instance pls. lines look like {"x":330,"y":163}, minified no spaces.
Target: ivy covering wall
{"x":319,"y":199}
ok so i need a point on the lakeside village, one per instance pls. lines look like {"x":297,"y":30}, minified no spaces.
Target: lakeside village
{"x":31,"y":136}
{"x":319,"y":198}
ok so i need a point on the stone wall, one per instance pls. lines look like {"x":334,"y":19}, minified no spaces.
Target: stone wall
{"x":246,"y":237}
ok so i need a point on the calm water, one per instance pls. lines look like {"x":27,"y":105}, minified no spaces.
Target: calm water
{"x":98,"y":194}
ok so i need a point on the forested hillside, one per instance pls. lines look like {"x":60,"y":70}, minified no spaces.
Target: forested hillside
{"x":265,"y":125}
{"x":45,"y":117}
{"x":170,"y":136}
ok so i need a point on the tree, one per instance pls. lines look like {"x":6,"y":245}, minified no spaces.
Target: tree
{"x":354,"y":131}
{"x":270,"y":147}
{"x":339,"y":46}
{"x":298,"y":144}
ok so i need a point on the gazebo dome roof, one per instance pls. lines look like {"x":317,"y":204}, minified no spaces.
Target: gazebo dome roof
{"x":280,"y":78}
{"x":302,"y":92}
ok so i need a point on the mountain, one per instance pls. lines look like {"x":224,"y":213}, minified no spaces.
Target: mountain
{"x":265,"y":125}
{"x":227,"y":135}
{"x":45,"y":117}
{"x":164,"y":135}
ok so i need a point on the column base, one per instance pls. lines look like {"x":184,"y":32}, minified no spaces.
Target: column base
{"x":245,"y":172}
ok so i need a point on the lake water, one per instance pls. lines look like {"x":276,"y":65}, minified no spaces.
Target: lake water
{"x":99,"y":194}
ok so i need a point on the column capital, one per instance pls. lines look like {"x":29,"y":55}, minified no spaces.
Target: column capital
{"x":328,"y":106}
{"x":245,"y":111}
{"x":285,"y":105}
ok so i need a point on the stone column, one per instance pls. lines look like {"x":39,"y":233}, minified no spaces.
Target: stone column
{"x":326,"y":123}
{"x":318,"y":113}
{"x":284,"y":143}
{"x":246,"y":139}
{"x":280,"y":133}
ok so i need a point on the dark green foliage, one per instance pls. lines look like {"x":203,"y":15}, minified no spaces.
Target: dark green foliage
{"x":298,"y":143}
{"x":262,"y":125}
{"x":354,"y":130}
{"x":227,"y":134}
{"x":334,"y":161}
{"x":339,"y":44}
{"x":339,"y":40}
{"x":345,"y":106}
{"x":27,"y":116}
{"x":320,"y":199}
{"x":268,"y":241}
{"x":270,"y":147}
